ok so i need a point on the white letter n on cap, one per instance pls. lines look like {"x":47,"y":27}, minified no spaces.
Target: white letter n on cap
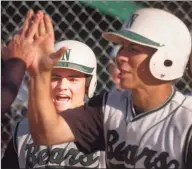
{"x":66,"y":55}
{"x":130,"y":21}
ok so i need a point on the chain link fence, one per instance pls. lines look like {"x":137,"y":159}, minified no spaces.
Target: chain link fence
{"x":78,"y":21}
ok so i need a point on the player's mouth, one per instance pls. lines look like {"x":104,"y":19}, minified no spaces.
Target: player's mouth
{"x":123,"y":74}
{"x":62,"y":98}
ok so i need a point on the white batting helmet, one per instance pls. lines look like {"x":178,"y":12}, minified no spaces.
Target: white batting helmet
{"x":79,"y":57}
{"x":160,"y":30}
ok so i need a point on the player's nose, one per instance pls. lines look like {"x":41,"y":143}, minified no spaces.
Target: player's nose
{"x":64,"y":84}
{"x":121,"y":59}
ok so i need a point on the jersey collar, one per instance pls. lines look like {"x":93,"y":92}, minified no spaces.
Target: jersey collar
{"x":136,"y":117}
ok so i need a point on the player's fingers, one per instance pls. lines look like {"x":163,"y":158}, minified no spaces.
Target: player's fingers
{"x":42,"y":29}
{"x":36,"y":35}
{"x":49,"y":25}
{"x":57,"y":55}
{"x":14,"y":40}
{"x":27,"y":22}
{"x":32,"y":31}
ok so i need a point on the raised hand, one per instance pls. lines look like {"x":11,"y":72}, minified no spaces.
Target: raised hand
{"x":34,"y":44}
{"x":18,"y":46}
{"x":45,"y":56}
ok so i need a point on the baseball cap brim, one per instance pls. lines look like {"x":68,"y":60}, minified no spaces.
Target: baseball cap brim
{"x":74,"y":66}
{"x":119,"y":36}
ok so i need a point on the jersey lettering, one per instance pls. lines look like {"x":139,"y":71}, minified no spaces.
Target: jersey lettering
{"x":128,"y":154}
{"x":130,"y":22}
{"x":57,"y":156}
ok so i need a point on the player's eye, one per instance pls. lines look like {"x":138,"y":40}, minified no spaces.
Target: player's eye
{"x":133,"y":49}
{"x":54,"y":78}
{"x":73,"y":80}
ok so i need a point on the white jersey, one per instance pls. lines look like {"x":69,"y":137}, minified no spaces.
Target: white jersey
{"x":155,"y":139}
{"x":67,"y":154}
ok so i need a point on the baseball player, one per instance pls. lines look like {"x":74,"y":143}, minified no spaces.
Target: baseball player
{"x":149,"y":128}
{"x":71,"y":79}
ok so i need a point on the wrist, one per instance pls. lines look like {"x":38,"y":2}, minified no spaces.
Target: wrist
{"x":17,"y":58}
{"x":41,"y":75}
{"x":41,"y":84}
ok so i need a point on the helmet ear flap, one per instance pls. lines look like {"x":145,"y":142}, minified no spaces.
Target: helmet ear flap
{"x":92,"y":85}
{"x":165,"y":67}
{"x":157,"y":64}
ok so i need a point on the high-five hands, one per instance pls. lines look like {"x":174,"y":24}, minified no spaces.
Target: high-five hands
{"x":20,"y":45}
{"x":45,"y":56}
{"x":34,"y":44}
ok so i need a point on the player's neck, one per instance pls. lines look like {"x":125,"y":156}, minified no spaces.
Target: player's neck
{"x":151,"y":97}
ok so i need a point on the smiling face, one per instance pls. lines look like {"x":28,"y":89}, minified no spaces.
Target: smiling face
{"x":68,"y":88}
{"x":133,"y":61}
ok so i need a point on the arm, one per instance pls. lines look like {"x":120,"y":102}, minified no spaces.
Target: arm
{"x":46,"y":126}
{"x":17,"y":59}
{"x":10,"y":154}
{"x":44,"y":123}
{"x":83,"y":125}
{"x":12,"y":75}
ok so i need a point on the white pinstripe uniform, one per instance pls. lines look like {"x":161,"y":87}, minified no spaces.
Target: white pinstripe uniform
{"x":66,"y":154}
{"x":158,"y":138}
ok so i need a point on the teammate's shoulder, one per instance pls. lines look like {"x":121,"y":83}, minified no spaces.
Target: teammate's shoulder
{"x":183,"y":108}
{"x":188,"y":103}
{"x":184,"y":101}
